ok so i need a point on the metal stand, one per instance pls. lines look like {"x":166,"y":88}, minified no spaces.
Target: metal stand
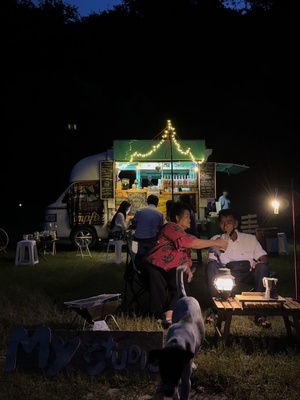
{"x":83,"y":248}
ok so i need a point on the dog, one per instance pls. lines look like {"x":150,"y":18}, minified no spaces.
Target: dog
{"x":184,"y":340}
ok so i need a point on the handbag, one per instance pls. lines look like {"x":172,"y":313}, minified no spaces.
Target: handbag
{"x":239,"y":266}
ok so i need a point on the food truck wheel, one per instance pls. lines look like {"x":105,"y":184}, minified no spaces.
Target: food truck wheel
{"x":87,"y":234}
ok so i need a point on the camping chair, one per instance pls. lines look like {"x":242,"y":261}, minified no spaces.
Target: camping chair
{"x":96,"y":310}
{"x":133,"y":279}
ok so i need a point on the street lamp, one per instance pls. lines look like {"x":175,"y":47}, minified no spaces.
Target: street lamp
{"x":275,"y":203}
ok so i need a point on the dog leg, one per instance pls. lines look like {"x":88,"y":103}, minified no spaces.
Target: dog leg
{"x":186,"y":382}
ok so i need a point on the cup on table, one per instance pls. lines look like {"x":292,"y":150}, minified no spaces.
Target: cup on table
{"x":25,"y":237}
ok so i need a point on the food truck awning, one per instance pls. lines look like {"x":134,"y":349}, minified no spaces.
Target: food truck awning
{"x":158,"y":150}
{"x":230,"y":169}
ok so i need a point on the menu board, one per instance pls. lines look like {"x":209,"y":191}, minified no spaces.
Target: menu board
{"x":208,"y":180}
{"x":106,"y":180}
{"x":137,"y":200}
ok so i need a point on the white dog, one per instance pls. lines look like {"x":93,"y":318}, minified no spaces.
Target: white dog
{"x":184,"y":340}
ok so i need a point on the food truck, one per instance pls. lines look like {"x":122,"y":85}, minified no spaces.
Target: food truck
{"x":131,"y":171}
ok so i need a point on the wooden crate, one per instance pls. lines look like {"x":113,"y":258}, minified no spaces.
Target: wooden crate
{"x":249,"y":223}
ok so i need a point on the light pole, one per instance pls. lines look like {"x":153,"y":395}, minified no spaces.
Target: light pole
{"x":294,"y":236}
{"x":276,"y":206}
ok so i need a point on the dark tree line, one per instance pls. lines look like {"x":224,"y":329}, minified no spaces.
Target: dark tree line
{"x":213,"y":70}
{"x":226,"y":75}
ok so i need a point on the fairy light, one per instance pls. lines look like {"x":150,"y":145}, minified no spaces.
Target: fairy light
{"x":170,"y":131}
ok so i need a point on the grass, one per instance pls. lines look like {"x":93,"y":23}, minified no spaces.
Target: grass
{"x":257,"y":364}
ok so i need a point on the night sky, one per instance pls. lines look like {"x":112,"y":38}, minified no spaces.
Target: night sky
{"x":86,"y":7}
{"x":238,"y":92}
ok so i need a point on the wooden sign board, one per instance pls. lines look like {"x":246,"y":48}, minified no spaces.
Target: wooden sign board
{"x":107,"y":180}
{"x":208,"y":180}
{"x":91,"y":352}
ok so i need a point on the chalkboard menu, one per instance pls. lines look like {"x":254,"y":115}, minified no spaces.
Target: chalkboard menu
{"x":208,"y":180}
{"x":106,"y":180}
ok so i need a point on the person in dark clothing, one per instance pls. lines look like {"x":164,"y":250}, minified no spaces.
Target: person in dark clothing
{"x":193,"y":230}
{"x":147,"y":222}
{"x":169,"y":204}
{"x":211,"y":207}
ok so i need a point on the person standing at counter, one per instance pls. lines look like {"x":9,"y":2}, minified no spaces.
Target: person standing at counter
{"x":147,"y":222}
{"x":224,"y":200}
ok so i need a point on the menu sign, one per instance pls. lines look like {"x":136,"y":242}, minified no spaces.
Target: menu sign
{"x":208,"y":180}
{"x":137,"y":200}
{"x":106,"y":180}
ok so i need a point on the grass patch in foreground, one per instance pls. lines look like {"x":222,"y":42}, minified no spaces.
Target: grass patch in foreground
{"x":258,"y":364}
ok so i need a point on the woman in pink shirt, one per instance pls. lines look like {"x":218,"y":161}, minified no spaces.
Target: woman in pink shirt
{"x":173,"y":248}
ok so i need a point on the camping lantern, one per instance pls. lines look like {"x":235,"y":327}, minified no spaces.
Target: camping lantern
{"x":224,"y":282}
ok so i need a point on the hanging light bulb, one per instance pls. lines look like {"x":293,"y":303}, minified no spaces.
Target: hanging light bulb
{"x":275,"y":203}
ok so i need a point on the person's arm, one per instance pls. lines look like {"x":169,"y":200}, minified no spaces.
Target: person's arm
{"x":261,"y":260}
{"x":203,"y":243}
{"x":133,"y":222}
{"x":120,"y":222}
{"x":260,"y":256}
{"x":221,"y":201}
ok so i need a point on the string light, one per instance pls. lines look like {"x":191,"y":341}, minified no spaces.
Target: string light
{"x":170,"y":131}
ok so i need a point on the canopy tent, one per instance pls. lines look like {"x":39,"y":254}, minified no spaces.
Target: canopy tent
{"x":230,"y":169}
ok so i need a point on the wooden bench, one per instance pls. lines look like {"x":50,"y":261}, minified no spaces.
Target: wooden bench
{"x":254,"y":303}
{"x":249,"y":223}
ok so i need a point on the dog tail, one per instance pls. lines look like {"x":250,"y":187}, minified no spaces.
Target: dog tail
{"x":179,"y":280}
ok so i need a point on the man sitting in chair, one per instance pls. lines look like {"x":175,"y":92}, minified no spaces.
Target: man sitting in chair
{"x":247,"y":260}
{"x":147,"y":222}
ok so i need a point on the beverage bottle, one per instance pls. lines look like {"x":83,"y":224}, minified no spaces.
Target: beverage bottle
{"x":226,"y":237}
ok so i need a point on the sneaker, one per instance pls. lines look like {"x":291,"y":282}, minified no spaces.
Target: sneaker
{"x":262,"y":322}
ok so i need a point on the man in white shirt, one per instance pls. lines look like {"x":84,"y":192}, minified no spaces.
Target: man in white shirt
{"x":247,"y":260}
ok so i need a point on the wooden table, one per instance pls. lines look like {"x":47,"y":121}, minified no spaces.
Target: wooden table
{"x":255,"y":303}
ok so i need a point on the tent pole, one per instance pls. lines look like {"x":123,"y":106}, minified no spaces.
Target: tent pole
{"x":295,"y":244}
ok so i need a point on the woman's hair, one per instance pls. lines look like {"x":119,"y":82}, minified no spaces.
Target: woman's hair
{"x":122,"y":209}
{"x":169,"y":204}
{"x":185,"y":198}
{"x":226,"y":212}
{"x":177,"y":209}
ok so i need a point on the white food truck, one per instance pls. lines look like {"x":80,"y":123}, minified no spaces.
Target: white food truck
{"x":131,"y":171}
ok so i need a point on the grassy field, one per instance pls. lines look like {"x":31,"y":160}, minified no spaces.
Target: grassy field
{"x":257,"y":364}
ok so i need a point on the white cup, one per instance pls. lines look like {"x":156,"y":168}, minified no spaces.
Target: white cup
{"x":25,"y":237}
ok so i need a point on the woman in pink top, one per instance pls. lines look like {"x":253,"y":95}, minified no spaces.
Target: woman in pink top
{"x":173,"y":248}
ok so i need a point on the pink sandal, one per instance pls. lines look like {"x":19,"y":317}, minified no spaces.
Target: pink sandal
{"x":262,"y":322}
